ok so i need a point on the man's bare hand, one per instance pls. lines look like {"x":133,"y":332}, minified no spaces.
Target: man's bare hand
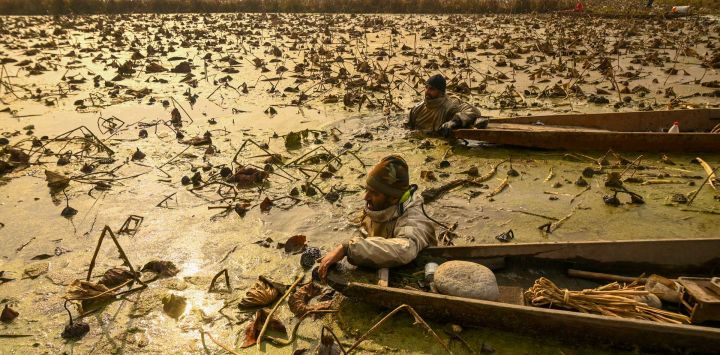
{"x":329,"y":259}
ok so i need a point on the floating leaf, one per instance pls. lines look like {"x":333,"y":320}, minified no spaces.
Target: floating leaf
{"x":162,"y":267}
{"x":174,"y":305}
{"x":266,"y":205}
{"x":8,"y":314}
{"x":295,"y":244}
{"x":68,"y":212}
{"x":37,"y":269}
{"x":260,"y":294}
{"x":248,"y":177}
{"x":56,"y":180}
{"x":154,"y":68}
{"x":253,"y":329}
{"x":80,"y":289}
{"x":75,"y":330}
{"x":4,"y":279}
{"x":299,"y":301}
{"x":115,"y":277}
{"x":183,"y":67}
{"x":293,"y":140}
{"x":138,"y":155}
{"x":41,"y":257}
{"x":264,"y":242}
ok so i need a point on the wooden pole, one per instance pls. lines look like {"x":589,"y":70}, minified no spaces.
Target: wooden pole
{"x":604,"y":277}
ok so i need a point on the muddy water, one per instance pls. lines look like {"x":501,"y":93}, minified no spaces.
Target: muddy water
{"x":203,"y":241}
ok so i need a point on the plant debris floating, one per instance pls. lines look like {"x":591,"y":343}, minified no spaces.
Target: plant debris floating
{"x":56,"y":180}
{"x":75,"y":330}
{"x":253,"y":329}
{"x":174,"y":305}
{"x":247,"y":177}
{"x":138,"y":155}
{"x":309,"y":256}
{"x":294,"y":245}
{"x":8,"y":314}
{"x":115,"y":277}
{"x":161,"y":267}
{"x":299,"y":301}
{"x":260,"y":294}
{"x":266,"y":205}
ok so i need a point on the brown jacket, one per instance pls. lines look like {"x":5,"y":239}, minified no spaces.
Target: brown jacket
{"x":431,"y":114}
{"x":394,"y":237}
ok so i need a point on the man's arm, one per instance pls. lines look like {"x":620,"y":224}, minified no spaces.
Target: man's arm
{"x":466,"y":115}
{"x":378,"y":252}
{"x":411,"y":117}
{"x":331,"y":258}
{"x":413,"y":233}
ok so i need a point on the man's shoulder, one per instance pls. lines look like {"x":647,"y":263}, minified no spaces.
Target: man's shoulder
{"x":419,"y":106}
{"x":414,"y":205}
{"x":455,"y":100}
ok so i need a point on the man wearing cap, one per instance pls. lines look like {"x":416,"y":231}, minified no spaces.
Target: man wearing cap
{"x":441,"y":113}
{"x":395,"y":227}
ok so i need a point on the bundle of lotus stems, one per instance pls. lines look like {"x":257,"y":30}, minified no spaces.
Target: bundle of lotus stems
{"x":613,"y":300}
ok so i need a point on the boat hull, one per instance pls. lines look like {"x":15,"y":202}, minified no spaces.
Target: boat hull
{"x":565,"y":325}
{"x":669,"y":256}
{"x":601,"y":141}
{"x":695,"y":120}
{"x":624,"y":131}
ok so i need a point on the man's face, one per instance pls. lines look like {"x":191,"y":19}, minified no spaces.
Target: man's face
{"x":376,"y":201}
{"x":432,"y":93}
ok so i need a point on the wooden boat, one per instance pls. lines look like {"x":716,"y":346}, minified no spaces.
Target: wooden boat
{"x":622,"y":131}
{"x":521,"y":264}
{"x":622,"y":15}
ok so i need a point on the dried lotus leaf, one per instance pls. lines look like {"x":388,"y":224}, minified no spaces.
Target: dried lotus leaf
{"x":299,"y":301}
{"x":75,"y":330}
{"x":162,"y":267}
{"x":174,"y":305}
{"x":80,"y":290}
{"x":253,"y":329}
{"x":8,"y":314}
{"x":260,"y":294}
{"x":295,"y":244}
{"x":56,"y":180}
{"x":115,"y":277}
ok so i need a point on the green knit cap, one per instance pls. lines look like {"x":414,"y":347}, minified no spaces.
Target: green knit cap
{"x":389,"y":176}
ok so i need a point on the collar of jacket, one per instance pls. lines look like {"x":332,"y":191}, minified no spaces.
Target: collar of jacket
{"x":392,"y":212}
{"x":436,"y":102}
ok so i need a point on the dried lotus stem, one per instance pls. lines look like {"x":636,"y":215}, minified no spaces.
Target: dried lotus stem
{"x":277,"y":305}
{"x":217,"y":276}
{"x":499,"y":189}
{"x":610,"y":300}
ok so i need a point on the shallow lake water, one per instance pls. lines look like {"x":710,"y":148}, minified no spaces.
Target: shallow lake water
{"x":349,"y":79}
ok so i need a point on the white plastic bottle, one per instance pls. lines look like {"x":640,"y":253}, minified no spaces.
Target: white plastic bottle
{"x":675,"y":128}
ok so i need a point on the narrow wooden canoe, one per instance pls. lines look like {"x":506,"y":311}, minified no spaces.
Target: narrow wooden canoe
{"x":636,"y":15}
{"x":668,"y":257}
{"x":627,"y":131}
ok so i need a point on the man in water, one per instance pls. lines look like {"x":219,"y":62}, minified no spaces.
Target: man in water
{"x":441,"y":113}
{"x":395,"y":227}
